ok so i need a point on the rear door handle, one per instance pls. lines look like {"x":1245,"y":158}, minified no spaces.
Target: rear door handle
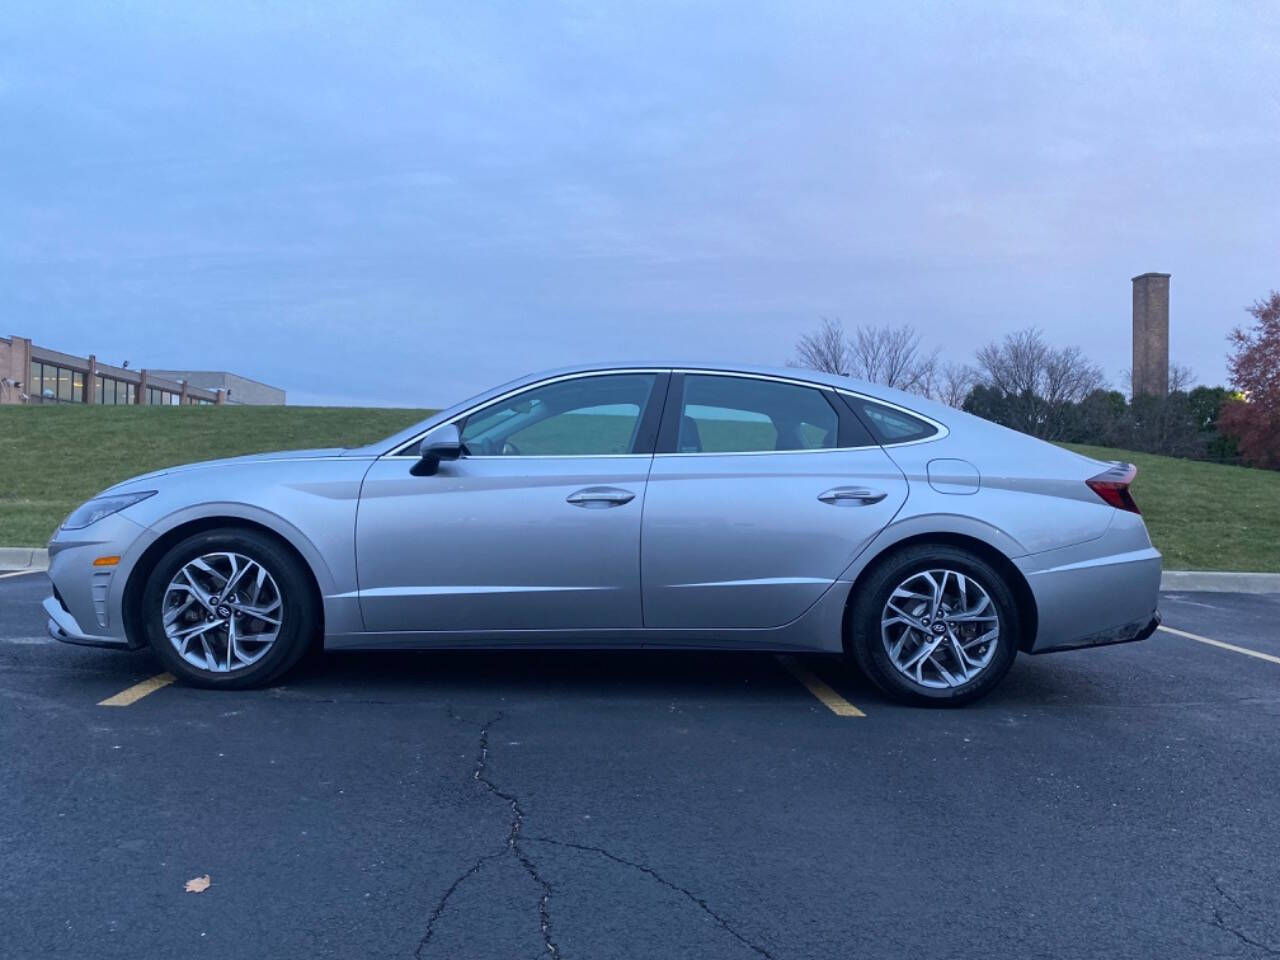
{"x":600,"y":497}
{"x":853,"y":496}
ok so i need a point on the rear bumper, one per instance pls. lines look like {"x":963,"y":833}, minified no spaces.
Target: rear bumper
{"x":63,"y":626}
{"x":1099,"y":592}
{"x":1128,"y":633}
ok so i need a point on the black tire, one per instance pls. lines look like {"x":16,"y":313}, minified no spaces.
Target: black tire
{"x":297,"y":625}
{"x":864,"y":641}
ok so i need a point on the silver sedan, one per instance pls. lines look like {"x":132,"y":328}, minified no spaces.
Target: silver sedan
{"x":640,"y":505}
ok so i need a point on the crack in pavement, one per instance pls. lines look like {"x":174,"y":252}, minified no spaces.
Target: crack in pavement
{"x":1220,"y":921}
{"x":649,"y":871}
{"x":511,"y":846}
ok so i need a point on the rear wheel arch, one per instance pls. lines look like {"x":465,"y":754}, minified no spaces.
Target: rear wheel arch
{"x":141,"y":572}
{"x":1013,"y":577}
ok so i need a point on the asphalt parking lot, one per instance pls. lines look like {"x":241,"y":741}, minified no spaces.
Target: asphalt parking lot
{"x":1119,"y":802}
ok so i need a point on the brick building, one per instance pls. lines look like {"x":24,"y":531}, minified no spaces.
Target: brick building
{"x":33,"y":374}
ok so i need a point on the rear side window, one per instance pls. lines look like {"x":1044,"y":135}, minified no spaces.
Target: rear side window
{"x":889,"y":424}
{"x":746,"y":415}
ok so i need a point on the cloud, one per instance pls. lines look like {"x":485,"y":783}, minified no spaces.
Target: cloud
{"x":327,"y":197}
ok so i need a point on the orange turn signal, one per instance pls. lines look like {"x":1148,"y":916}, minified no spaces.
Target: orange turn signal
{"x":106,"y":561}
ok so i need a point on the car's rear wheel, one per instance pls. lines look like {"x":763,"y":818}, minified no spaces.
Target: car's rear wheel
{"x":934,"y":624}
{"x":228,"y":608}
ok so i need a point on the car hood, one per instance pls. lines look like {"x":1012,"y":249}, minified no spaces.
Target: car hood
{"x":316,"y":454}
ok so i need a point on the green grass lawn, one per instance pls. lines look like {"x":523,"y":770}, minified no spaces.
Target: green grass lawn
{"x":56,"y":457}
{"x":1205,"y":516}
{"x":1202,"y":516}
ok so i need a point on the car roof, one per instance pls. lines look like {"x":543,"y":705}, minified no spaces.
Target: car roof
{"x":789,"y":373}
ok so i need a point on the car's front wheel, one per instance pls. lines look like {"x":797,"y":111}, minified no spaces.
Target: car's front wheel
{"x":228,"y":608}
{"x":934,"y":624}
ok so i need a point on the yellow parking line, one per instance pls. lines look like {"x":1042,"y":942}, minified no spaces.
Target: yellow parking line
{"x":820,"y":689}
{"x":1225,"y":646}
{"x":138,"y":691}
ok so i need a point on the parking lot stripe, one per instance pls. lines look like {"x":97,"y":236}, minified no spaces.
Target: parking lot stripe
{"x":820,"y":689}
{"x":138,"y":691}
{"x":19,"y":573}
{"x":1225,"y":646}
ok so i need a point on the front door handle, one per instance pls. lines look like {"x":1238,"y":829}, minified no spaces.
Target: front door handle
{"x":600,"y":497}
{"x":853,"y":496}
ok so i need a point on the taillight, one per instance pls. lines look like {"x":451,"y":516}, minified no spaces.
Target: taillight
{"x":1112,"y":485}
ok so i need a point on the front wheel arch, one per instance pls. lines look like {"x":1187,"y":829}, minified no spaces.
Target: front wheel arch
{"x":1014,"y":577}
{"x":132,"y":599}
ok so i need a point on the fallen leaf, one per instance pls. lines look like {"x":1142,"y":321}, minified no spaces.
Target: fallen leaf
{"x":198,"y":884}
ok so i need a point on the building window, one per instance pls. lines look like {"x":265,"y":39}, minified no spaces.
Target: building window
{"x":50,"y":383}
{"x":111,"y":391}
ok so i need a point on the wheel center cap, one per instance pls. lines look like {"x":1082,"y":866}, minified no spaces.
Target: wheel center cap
{"x":224,"y":611}
{"x":939,"y":627}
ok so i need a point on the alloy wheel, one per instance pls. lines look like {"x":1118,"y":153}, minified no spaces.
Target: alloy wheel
{"x":940,"y":628}
{"x":222,"y":611}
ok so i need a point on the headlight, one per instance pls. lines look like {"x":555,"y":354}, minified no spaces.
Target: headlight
{"x":95,"y":510}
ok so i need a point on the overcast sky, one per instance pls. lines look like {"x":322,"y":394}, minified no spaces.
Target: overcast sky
{"x":406,"y":203}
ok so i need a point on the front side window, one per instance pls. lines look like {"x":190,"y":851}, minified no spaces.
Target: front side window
{"x":583,"y":416}
{"x":747,"y":415}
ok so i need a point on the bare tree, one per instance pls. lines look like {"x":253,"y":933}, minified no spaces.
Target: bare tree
{"x":1181,"y":378}
{"x":1037,"y":381}
{"x":826,"y":350}
{"x":1068,"y":376}
{"x":892,"y":356}
{"x":888,"y":355}
{"x":885,"y":355}
{"x":955,"y":380}
{"x":1013,"y":366}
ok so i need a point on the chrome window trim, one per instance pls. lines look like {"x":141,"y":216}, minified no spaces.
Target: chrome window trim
{"x":767,"y":453}
{"x":398,"y":455}
{"x":534,"y":456}
{"x":943,"y":431}
{"x":794,"y":381}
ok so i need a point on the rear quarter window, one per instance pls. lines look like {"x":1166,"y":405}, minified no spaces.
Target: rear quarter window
{"x":889,"y":424}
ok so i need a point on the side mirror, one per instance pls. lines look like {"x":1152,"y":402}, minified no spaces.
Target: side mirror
{"x":442,"y":443}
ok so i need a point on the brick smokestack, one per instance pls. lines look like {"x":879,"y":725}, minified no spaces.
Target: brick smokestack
{"x":1151,"y":334}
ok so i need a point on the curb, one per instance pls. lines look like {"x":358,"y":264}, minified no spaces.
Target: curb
{"x":1216,"y":581}
{"x":13,"y":559}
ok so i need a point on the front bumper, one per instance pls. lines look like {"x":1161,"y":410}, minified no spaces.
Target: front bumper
{"x":63,"y":626}
{"x":87,"y":602}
